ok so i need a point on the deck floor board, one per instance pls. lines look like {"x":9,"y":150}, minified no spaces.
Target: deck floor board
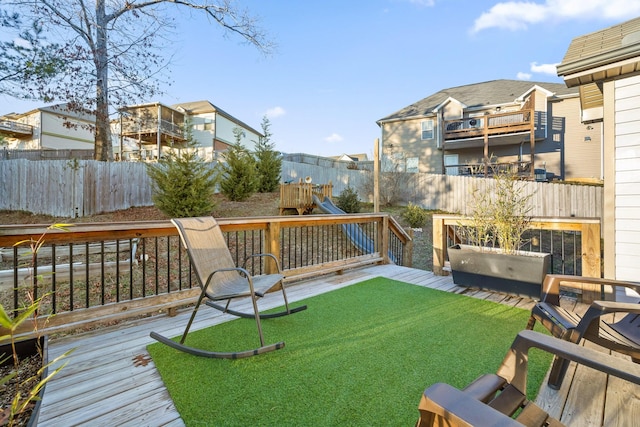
{"x":111,"y":380}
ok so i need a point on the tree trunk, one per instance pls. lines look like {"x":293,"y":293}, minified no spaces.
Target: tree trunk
{"x":103,"y":148}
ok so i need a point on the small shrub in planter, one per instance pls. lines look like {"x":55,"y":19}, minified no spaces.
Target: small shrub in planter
{"x":415,"y":215}
{"x":499,"y":218}
{"x":348,"y":200}
{"x":492,"y":258}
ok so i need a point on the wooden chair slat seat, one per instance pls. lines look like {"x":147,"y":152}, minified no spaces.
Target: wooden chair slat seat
{"x":500,"y":399}
{"x":621,"y":335}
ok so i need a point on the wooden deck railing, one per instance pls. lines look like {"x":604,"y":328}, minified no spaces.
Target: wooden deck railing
{"x":107,"y":271}
{"x":491,"y":124}
{"x":574,"y":244}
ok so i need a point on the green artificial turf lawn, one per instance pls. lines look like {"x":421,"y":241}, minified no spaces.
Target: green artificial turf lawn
{"x":358,"y":356}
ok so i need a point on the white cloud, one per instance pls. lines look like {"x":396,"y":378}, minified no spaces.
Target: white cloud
{"x":511,"y":16}
{"x":523,"y":76}
{"x":423,"y":2}
{"x":334,"y":137}
{"x":275,"y":112}
{"x":518,"y":15}
{"x":544,"y":68}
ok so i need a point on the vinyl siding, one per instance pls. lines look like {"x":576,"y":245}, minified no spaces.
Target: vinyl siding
{"x":582,"y":157}
{"x":402,"y":140}
{"x":627,"y":177}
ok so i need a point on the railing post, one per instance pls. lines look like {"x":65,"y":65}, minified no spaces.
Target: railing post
{"x":383,"y":238}
{"x":439,"y":245}
{"x":407,"y":251}
{"x":272,"y":244}
{"x":591,"y":260}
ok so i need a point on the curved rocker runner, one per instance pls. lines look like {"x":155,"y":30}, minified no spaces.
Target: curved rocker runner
{"x":221,"y":280}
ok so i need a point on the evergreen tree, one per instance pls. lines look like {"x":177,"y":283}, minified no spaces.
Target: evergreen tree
{"x":183,"y":183}
{"x":268,"y":161}
{"x":240,"y":177}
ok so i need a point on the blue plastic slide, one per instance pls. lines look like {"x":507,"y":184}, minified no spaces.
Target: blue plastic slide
{"x":353,"y":231}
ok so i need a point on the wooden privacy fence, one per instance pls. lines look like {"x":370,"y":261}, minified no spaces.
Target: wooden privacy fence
{"x":450,"y":193}
{"x":72,"y":188}
{"x":75,"y":188}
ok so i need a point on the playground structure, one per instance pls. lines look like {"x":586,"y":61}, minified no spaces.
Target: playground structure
{"x":299,"y":196}
{"x":354,"y":232}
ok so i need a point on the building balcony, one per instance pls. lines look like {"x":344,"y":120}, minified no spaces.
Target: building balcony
{"x":148,"y":131}
{"x":15,"y":129}
{"x":501,"y":128}
{"x":153,"y":123}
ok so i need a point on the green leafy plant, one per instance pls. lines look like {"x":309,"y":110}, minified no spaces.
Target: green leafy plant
{"x":499,"y":218}
{"x":26,"y":391}
{"x":348,"y":200}
{"x":415,"y":215}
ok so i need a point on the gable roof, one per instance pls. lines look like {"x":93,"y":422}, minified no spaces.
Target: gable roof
{"x":59,"y":109}
{"x":494,"y":92}
{"x":204,"y":107}
{"x":602,"y":54}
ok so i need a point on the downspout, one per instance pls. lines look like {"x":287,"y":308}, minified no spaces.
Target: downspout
{"x":121,"y":138}
{"x":215,"y":134}
{"x":601,"y":152}
{"x":520,"y":154}
{"x":159,"y":135}
{"x":40,"y":132}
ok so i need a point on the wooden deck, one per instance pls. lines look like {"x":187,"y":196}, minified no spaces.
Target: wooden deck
{"x":110,"y":379}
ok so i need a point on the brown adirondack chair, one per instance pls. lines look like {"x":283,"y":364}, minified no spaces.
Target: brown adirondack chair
{"x":621,"y":335}
{"x":221,"y":280}
{"x":493,"y":399}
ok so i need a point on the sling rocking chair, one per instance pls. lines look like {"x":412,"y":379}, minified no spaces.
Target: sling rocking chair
{"x":221,"y":282}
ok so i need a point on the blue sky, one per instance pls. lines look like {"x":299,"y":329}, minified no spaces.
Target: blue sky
{"x":340,"y":65}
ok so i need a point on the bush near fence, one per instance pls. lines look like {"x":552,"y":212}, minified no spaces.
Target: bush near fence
{"x":75,"y":188}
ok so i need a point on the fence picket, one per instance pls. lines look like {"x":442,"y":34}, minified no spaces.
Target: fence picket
{"x":79,"y":188}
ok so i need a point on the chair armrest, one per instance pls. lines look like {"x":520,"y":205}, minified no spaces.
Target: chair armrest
{"x":459,"y":409}
{"x":552,"y":282}
{"x":616,"y":307}
{"x":275,"y":259}
{"x":514,"y":366}
{"x":597,"y":309}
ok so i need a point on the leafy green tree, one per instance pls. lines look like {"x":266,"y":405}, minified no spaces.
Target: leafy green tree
{"x":183,"y":183}
{"x":114,"y":52}
{"x":268,"y":161}
{"x":240,"y":177}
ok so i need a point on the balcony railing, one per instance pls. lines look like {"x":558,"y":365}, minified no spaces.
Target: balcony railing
{"x":13,"y":128}
{"x":490,"y":125}
{"x":132,"y":128}
{"x":100,"y":271}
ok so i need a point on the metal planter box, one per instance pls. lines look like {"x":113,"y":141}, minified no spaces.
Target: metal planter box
{"x":519,"y":274}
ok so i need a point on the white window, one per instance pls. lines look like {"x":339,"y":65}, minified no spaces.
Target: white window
{"x":427,"y":129}
{"x":412,"y":164}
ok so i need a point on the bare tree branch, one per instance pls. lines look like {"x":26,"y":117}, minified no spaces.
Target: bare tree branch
{"x":106,"y":57}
